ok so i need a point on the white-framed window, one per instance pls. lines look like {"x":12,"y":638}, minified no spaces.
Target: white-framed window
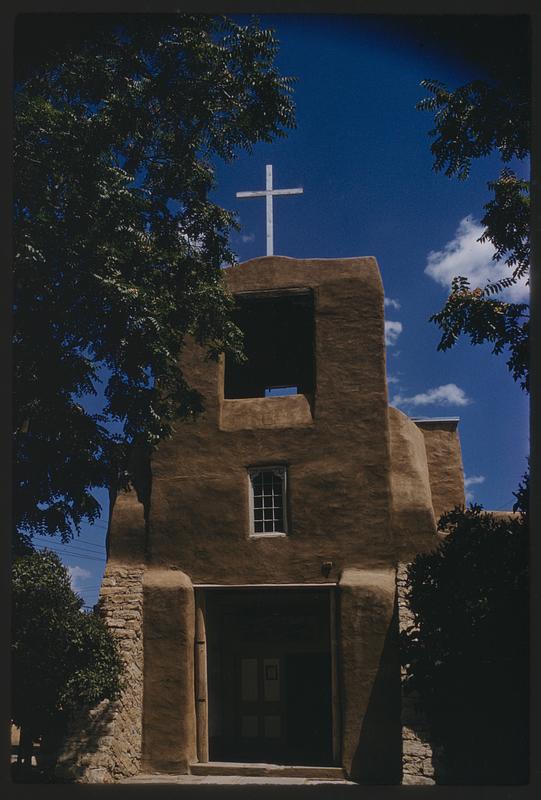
{"x":268,"y":487}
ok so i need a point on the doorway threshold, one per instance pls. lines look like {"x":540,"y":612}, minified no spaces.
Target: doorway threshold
{"x":267,"y":770}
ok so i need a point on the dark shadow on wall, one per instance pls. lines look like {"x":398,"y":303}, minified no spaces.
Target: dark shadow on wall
{"x":82,"y":741}
{"x":378,"y":758}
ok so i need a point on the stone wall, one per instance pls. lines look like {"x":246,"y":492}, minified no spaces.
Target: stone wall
{"x":418,"y":762}
{"x":105,"y":745}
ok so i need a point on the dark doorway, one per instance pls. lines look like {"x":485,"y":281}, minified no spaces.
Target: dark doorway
{"x":269,"y":676}
{"x":278,"y":332}
{"x":310,"y":717}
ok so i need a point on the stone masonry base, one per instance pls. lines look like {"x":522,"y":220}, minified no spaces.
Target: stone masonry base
{"x":417,"y":753}
{"x":104,"y":746}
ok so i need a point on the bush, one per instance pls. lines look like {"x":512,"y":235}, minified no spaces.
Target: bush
{"x":467,"y":653}
{"x":62,"y":657}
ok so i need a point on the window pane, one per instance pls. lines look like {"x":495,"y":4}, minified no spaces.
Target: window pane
{"x":267,"y":486}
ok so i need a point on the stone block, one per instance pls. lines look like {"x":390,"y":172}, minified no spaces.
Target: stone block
{"x":97,"y":775}
{"x":428,"y":767}
{"x":418,"y":780}
{"x":415,"y":748}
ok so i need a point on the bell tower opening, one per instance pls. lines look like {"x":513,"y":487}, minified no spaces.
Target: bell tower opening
{"x":278,"y":329}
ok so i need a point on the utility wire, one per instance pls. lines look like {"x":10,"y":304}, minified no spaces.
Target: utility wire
{"x":71,"y":541}
{"x":74,"y":551}
{"x":82,"y":549}
{"x":68,"y":553}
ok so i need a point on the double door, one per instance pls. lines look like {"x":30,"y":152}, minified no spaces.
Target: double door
{"x":277,"y":707}
{"x":270,"y":678}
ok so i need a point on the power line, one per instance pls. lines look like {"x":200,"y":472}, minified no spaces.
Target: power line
{"x":76,"y":543}
{"x":83,"y":548}
{"x":68,"y":553}
{"x":74,"y":551}
{"x":75,"y":540}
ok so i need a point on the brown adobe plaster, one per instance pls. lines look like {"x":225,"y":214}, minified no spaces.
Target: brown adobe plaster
{"x":414,"y":524}
{"x":370,"y":675}
{"x":444,"y":458}
{"x":338,"y":465}
{"x":169,"y":724}
{"x":127,"y":530}
{"x":266,"y":412}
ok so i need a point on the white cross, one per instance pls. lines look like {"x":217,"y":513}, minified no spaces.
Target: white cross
{"x":269,"y":193}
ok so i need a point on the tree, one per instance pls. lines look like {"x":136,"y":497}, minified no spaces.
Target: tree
{"x":118,"y":247}
{"x":467,"y":653}
{"x":470,"y":122}
{"x":62,"y":658}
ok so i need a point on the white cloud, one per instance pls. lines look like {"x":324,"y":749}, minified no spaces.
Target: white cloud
{"x":390,"y":303}
{"x":447,"y":395}
{"x":392,"y":379}
{"x":466,"y":256}
{"x":472,"y":480}
{"x":392,"y":332}
{"x":76,"y":574}
{"x":248,"y":237}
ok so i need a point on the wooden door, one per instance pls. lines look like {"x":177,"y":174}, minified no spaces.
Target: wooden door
{"x":260,"y":713}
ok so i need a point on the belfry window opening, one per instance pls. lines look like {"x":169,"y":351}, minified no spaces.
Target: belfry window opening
{"x":278,"y":328}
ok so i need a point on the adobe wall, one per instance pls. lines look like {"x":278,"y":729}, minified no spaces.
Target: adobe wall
{"x":445,"y":468}
{"x":169,"y":723}
{"x":337,"y":450}
{"x":413,"y":520}
{"x":369,"y":676}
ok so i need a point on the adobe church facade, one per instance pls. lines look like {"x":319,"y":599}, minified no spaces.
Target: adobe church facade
{"x":256,"y":592}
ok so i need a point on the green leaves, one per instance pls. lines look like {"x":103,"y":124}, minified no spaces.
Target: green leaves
{"x":507,"y":221}
{"x":470,"y":122}
{"x":467,"y":651}
{"x":473,"y":120}
{"x":118,"y":247}
{"x":504,"y":325}
{"x":62,"y":658}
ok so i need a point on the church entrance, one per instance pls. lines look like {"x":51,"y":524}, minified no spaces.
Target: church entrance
{"x":270,"y":676}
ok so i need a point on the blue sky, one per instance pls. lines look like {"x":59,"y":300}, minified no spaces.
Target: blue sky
{"x":362,"y":155}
